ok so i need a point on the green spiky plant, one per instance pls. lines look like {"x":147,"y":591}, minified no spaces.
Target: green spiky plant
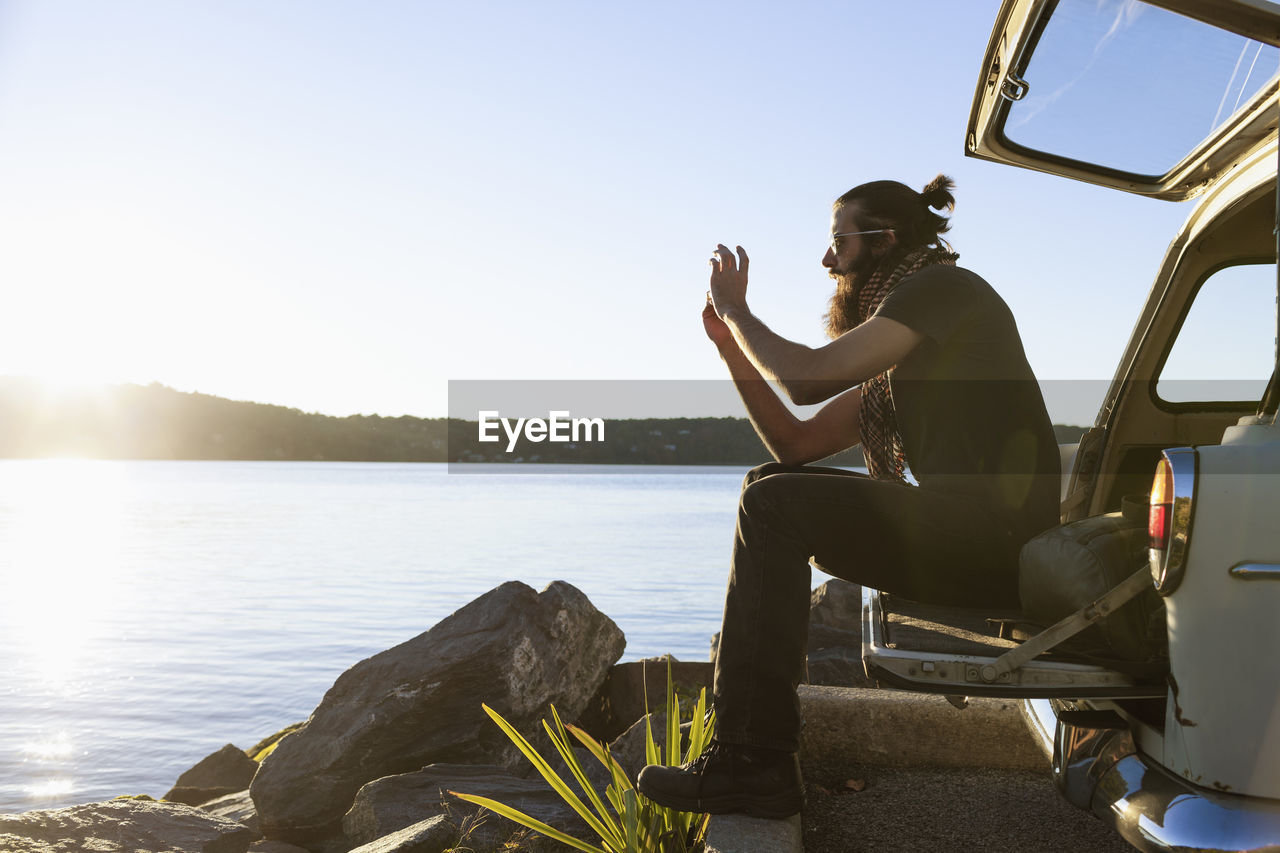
{"x":630,"y":822}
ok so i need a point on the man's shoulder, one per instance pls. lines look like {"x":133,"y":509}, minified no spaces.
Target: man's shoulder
{"x":940,"y":299}
{"x":947,"y":275}
{"x":956,"y":287}
{"x":939,"y":287}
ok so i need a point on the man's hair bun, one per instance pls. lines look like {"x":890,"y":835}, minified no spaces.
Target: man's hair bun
{"x":937,"y":193}
{"x":892,"y":204}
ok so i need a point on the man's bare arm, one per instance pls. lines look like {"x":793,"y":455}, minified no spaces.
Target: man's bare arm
{"x":791,"y":440}
{"x":811,"y":375}
{"x":806,"y":374}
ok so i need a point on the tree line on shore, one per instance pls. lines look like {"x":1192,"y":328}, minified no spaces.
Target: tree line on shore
{"x":156,"y":422}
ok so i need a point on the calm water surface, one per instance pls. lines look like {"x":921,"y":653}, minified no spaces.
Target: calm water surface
{"x":151,"y":612}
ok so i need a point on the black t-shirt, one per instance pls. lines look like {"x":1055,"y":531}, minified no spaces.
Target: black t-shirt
{"x":969,"y":410}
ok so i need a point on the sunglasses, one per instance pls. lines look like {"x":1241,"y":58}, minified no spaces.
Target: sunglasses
{"x":835,"y":238}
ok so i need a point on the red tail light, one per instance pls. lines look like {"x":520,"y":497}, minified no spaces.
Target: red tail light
{"x":1161,"y":507}
{"x":1169,"y":522}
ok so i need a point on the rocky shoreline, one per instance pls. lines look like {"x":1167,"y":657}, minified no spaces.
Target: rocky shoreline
{"x":367,"y":772}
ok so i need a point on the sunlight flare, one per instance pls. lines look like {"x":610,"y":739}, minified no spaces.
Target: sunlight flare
{"x":61,"y":543}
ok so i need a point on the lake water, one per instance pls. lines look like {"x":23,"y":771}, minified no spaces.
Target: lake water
{"x":151,"y":612}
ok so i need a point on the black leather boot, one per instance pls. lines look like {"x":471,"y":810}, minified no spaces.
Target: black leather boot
{"x":726,"y":779}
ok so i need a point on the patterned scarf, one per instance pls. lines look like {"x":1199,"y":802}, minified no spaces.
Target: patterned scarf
{"x":881,"y":442}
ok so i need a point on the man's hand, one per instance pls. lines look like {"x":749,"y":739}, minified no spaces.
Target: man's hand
{"x":717,"y":330}
{"x":728,"y":279}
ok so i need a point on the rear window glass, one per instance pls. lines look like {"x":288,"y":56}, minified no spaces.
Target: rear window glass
{"x":1226,"y":348}
{"x":1128,"y":86}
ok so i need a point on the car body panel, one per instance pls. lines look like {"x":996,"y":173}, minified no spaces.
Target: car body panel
{"x":1224,"y":637}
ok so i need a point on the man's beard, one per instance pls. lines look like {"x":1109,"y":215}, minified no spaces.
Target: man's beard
{"x":842,"y":309}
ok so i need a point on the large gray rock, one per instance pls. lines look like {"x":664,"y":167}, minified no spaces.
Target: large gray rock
{"x":517,"y":650}
{"x":122,"y":826}
{"x":229,"y":766}
{"x":838,"y":666}
{"x":620,"y":701}
{"x":388,"y":805}
{"x":835,"y":635}
{"x":836,"y":604}
{"x":261,"y":749}
{"x":429,"y":836}
{"x":276,"y":847}
{"x":223,"y":772}
{"x":628,"y":749}
{"x":238,"y":807}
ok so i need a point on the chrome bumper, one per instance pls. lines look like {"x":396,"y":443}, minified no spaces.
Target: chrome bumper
{"x":1096,"y":767}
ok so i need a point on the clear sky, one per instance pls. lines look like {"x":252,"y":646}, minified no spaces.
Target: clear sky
{"x":342,"y":206}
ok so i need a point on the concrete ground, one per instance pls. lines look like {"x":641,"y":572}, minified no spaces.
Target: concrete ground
{"x":949,"y":809}
{"x":924,"y":776}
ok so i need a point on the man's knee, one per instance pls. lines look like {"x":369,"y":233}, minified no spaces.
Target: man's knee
{"x":761,"y":471}
{"x":760,"y":497}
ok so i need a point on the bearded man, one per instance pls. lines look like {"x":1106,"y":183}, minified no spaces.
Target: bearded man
{"x":925,"y":368}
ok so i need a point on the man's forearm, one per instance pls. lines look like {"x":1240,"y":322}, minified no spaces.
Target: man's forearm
{"x":794,"y":366}
{"x":777,"y":427}
{"x":790,"y":439}
{"x":773,"y":355}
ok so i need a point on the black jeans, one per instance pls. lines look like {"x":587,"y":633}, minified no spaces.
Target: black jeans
{"x":922,"y":544}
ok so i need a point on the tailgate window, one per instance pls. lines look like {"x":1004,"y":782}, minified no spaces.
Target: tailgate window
{"x":1131,"y":87}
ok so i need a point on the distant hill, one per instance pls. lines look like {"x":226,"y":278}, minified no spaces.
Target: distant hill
{"x":1068,"y":434}
{"x":156,"y":422}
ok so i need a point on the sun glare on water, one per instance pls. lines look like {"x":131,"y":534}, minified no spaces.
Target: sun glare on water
{"x":58,"y":746}
{"x":56,"y":755}
{"x":60,"y":549}
{"x":51,"y":789}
